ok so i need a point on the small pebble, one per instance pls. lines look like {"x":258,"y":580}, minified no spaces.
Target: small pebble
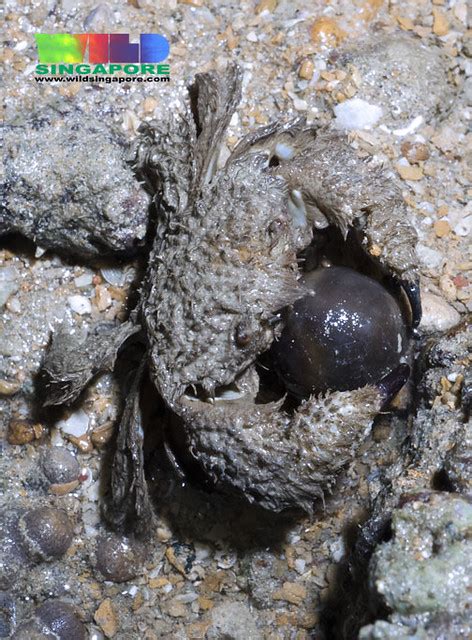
{"x":9,"y":283}
{"x":440,"y":23}
{"x":235,"y":621}
{"x":14,"y":305}
{"x":291,"y":592}
{"x":105,"y":617}
{"x":410,"y":172}
{"x":356,"y":114}
{"x":24,"y":431}
{"x":438,"y":315}
{"x":118,"y":558}
{"x":46,"y":532}
{"x":59,"y":465}
{"x":63,"y":488}
{"x":102,"y":434}
{"x":102,"y":297}
{"x":9,"y":388}
{"x":430,"y":258}
{"x":441,"y":228}
{"x":326,"y":31}
{"x":149,"y":104}
{"x":266,"y":5}
{"x":415,"y":152}
{"x":306,"y":70}
{"x":83,"y":442}
{"x":76,"y":424}
{"x":448,"y":287}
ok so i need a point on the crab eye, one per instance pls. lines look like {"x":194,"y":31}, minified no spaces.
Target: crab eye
{"x":347,"y":332}
{"x":276,"y":227}
{"x":243,"y":334}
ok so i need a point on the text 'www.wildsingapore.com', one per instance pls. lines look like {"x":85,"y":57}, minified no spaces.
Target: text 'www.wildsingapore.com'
{"x":102,"y":79}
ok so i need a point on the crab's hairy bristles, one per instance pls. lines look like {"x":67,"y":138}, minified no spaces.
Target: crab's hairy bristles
{"x":276,"y":460}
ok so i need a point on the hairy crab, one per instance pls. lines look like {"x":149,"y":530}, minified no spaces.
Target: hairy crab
{"x":224,"y":263}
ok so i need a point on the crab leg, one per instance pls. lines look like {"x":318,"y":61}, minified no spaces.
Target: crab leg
{"x":129,"y":506}
{"x":73,"y":360}
{"x":279,"y":460}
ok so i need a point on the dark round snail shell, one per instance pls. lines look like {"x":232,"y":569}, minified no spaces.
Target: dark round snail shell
{"x":59,"y":465}
{"x":118,"y":558}
{"x":46,"y":532}
{"x":347,"y":332}
{"x":53,"y":619}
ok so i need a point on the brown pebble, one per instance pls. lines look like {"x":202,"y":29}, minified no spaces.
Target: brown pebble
{"x":197,"y":630}
{"x":443,"y":210}
{"x":46,"y":532}
{"x":415,"y":152}
{"x":102,"y":297}
{"x":176,"y":609}
{"x":460,"y":281}
{"x":291,"y":592}
{"x":63,"y":488}
{"x":24,"y":431}
{"x":375,"y":250}
{"x":266,"y":5}
{"x":440,"y":23}
{"x":306,"y":70}
{"x":105,"y":617}
{"x":448,"y":287}
{"x":327,"y":31}
{"x":406,"y":24}
{"x":83,"y":443}
{"x":149,"y":104}
{"x":409,"y":172}
{"x":118,"y":558}
{"x":441,"y":228}
{"x":8,"y":388}
{"x":205,"y":603}
{"x":102,"y":434}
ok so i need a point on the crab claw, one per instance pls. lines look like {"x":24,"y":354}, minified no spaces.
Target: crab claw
{"x":412,"y":292}
{"x":391,"y":384}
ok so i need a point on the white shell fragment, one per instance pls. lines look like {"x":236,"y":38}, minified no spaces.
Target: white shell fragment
{"x":80,"y":304}
{"x":9,"y":283}
{"x":356,"y":114}
{"x":76,"y":424}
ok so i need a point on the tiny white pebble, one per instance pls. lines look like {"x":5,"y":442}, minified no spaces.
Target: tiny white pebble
{"x":356,"y":114}
{"x":39,"y":252}
{"x":79,"y":304}
{"x":299,"y":565}
{"x":76,"y":424}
